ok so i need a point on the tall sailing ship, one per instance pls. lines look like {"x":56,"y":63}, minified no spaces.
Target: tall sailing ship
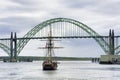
{"x":50,"y":62}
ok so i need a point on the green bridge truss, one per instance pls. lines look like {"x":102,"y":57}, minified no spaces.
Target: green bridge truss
{"x":21,"y":43}
{"x":5,"y":48}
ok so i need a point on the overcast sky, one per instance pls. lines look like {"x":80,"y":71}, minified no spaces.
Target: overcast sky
{"x":22,"y":15}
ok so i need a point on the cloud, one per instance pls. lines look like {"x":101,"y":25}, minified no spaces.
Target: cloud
{"x":107,"y":7}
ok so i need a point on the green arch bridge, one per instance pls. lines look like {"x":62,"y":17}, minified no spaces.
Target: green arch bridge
{"x":61,"y":28}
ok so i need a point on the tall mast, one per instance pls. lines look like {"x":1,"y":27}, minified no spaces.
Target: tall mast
{"x":50,"y":31}
{"x":50,"y":45}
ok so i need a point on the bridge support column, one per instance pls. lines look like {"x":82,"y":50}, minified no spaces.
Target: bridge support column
{"x":111,"y":43}
{"x":13,"y":48}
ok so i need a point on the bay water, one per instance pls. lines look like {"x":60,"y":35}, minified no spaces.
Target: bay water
{"x":67,"y":70}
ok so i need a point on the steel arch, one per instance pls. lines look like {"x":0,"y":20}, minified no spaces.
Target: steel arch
{"x":117,"y":49}
{"x":37,"y":28}
{"x":5,"y":48}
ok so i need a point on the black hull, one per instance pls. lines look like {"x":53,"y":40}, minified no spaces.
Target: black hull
{"x":50,"y":66}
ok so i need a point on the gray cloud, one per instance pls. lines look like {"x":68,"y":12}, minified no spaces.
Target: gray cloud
{"x":108,"y":8}
{"x":16,"y":24}
{"x":80,"y":3}
{"x":4,"y":29}
{"x":105,"y":7}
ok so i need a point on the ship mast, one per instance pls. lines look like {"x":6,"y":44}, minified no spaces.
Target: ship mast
{"x":50,"y":45}
{"x":50,"y":63}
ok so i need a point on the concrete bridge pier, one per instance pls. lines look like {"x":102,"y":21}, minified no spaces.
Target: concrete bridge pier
{"x":110,"y":58}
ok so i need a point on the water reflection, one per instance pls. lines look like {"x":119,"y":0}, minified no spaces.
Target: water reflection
{"x":49,"y":73}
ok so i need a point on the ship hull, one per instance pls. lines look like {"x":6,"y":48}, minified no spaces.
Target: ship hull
{"x":50,"y":66}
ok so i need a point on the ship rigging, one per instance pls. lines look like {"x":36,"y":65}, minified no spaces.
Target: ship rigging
{"x":50,"y":62}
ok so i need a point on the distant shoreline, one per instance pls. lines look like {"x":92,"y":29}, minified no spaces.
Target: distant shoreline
{"x":37,"y":58}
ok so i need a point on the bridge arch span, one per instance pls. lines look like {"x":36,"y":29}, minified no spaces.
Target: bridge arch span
{"x":5,"y":48}
{"x":117,"y":49}
{"x":21,"y":44}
